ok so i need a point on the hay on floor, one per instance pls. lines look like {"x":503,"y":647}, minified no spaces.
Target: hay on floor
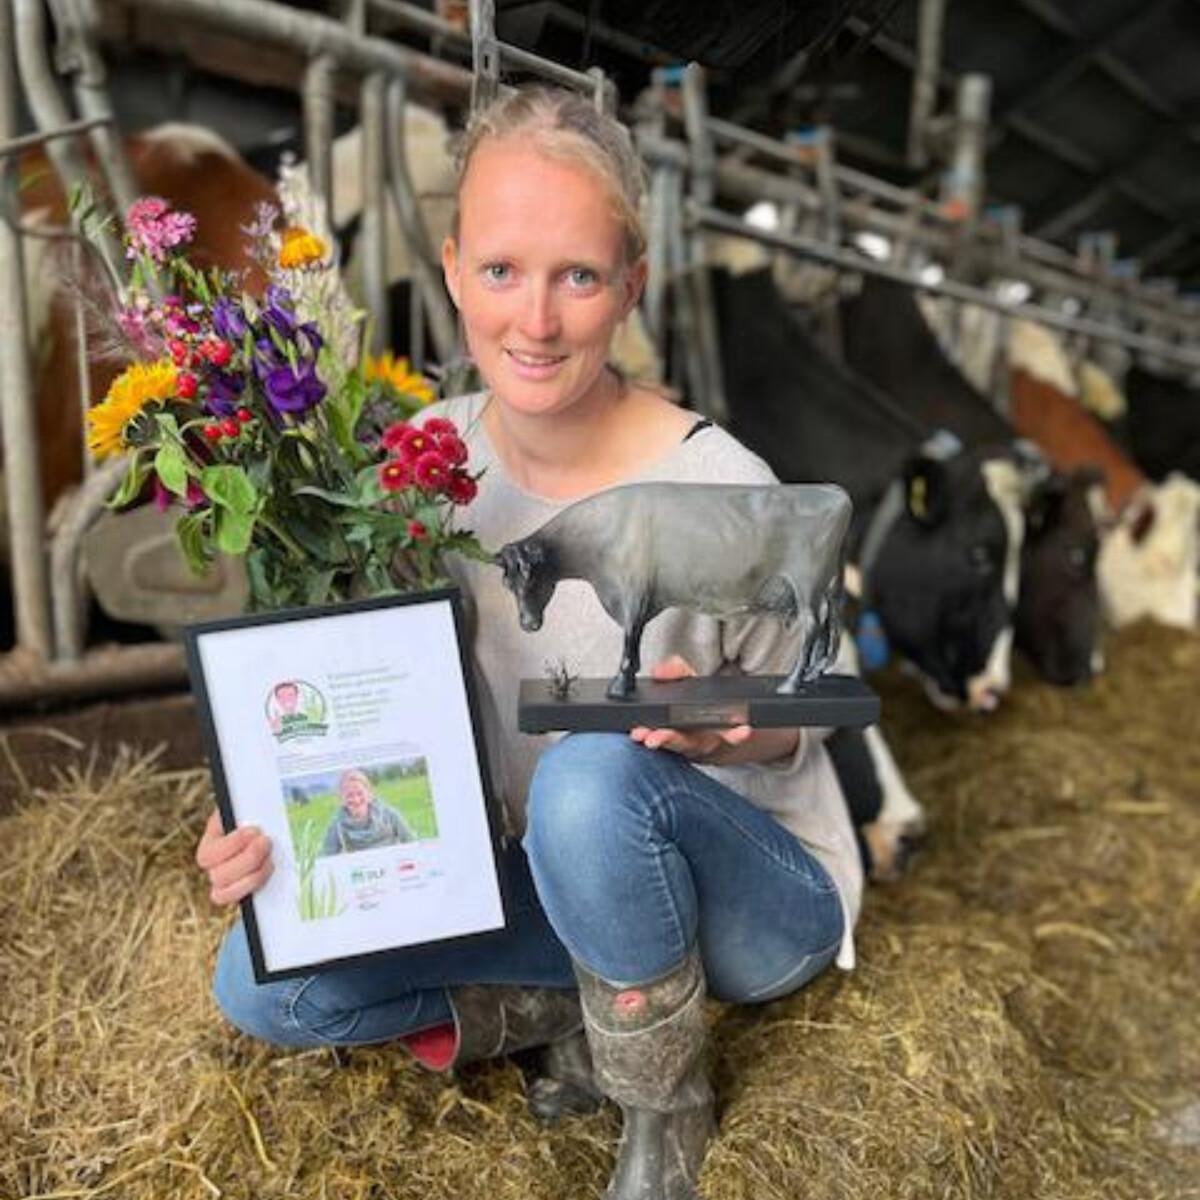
{"x":1023,"y":1022}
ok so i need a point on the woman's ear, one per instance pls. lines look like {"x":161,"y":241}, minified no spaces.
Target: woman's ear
{"x":450,"y":268}
{"x":635,"y":283}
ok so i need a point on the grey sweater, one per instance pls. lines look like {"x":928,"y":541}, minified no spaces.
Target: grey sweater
{"x":801,"y":792}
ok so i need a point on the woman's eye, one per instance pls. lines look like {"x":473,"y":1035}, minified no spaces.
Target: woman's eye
{"x":497,"y":272}
{"x":582,"y":277}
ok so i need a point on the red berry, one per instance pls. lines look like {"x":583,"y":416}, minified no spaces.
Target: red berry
{"x":244,"y":415}
{"x":178,"y":351}
{"x":417,"y":531}
{"x":218,"y":353}
{"x":185,"y":385}
{"x":230,"y":428}
{"x":212,"y":432}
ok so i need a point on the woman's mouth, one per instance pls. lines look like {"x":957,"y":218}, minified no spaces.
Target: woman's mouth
{"x":535,"y":366}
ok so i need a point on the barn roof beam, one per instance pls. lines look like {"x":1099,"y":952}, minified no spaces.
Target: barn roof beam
{"x":1090,"y":51}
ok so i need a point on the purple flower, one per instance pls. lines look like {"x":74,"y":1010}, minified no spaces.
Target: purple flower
{"x":152,"y":228}
{"x":265,"y":216}
{"x":278,"y":312}
{"x":228,"y":320}
{"x":224,"y":392}
{"x":293,"y":391}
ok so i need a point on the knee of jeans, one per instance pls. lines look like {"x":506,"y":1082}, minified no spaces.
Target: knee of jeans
{"x":257,"y":1009}
{"x":580,"y":788}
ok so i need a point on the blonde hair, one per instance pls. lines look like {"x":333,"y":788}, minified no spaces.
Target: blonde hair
{"x":566,"y":126}
{"x":358,"y":774}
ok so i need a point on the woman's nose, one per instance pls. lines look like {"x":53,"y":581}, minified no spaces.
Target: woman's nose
{"x":539,"y":318}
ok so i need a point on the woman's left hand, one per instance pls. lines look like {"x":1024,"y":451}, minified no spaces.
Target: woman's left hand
{"x":699,"y":745}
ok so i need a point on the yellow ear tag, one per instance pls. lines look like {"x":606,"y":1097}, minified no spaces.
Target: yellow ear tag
{"x":916,"y":497}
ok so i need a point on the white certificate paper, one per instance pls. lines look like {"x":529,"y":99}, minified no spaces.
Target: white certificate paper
{"x":347,"y":735}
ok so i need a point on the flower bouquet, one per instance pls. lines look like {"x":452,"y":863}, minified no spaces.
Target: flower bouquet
{"x":258,"y":416}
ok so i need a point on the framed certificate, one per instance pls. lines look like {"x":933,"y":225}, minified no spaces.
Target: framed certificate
{"x":349,"y":735}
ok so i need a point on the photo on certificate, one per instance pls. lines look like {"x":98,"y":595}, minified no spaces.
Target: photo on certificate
{"x":349,"y":735}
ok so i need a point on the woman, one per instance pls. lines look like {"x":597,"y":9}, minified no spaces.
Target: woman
{"x":654,"y":866}
{"x":361,"y":821}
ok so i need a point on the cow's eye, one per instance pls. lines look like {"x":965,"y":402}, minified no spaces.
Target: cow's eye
{"x":980,"y":558}
{"x":1077,"y":558}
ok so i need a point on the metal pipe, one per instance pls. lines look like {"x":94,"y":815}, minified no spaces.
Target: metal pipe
{"x":740,"y":183}
{"x":427,"y":277}
{"x":925,"y":79}
{"x":77,"y":22}
{"x":485,"y":56}
{"x":420,"y":19}
{"x":372,"y":113}
{"x":962,"y":185}
{"x":99,"y":673}
{"x":847,"y":260}
{"x":69,"y":602}
{"x":312,"y":35}
{"x":20,"y":144}
{"x":318,"y":94}
{"x":22,"y":477}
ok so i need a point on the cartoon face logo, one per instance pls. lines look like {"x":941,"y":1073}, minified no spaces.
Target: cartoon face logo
{"x":295,"y":709}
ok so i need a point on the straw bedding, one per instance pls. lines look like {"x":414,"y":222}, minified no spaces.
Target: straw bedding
{"x":1024,"y":1022}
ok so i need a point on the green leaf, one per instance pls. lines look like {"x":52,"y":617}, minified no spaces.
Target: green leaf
{"x":233,"y":530}
{"x":131,"y":485}
{"x":172,"y":468}
{"x":340,"y":499}
{"x":317,"y":587}
{"x":467,"y":544}
{"x":229,"y":486}
{"x":193,"y":541}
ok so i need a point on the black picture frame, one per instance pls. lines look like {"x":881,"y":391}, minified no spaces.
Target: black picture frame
{"x":225,"y":759}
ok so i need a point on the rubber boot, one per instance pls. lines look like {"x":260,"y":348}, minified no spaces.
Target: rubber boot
{"x":495,"y":1020}
{"x":648,"y":1052}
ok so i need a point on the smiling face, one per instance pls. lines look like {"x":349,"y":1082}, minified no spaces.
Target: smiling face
{"x":356,"y":796}
{"x":538,"y":273}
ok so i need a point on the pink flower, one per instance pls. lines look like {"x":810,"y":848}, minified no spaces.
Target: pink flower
{"x":412,"y":442}
{"x":439,"y":427}
{"x":431,"y":471}
{"x":152,"y":228}
{"x":393,"y":435}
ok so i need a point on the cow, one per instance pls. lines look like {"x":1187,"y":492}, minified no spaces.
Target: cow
{"x":936,"y":537}
{"x":722,"y":549}
{"x":887,"y":339}
{"x":1163,"y":423}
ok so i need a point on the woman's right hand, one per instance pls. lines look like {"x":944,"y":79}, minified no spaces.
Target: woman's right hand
{"x":236,"y":863}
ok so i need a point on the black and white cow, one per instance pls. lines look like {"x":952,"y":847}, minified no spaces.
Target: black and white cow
{"x":1162,"y":423}
{"x":888,"y":341}
{"x":721,"y":549}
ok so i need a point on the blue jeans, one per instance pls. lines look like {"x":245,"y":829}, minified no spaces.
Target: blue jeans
{"x":634,"y":857}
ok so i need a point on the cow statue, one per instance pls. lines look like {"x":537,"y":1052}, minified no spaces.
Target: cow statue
{"x":722,"y":549}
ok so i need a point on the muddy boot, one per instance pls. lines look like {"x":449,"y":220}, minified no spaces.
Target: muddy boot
{"x":494,"y":1020}
{"x":648,"y":1049}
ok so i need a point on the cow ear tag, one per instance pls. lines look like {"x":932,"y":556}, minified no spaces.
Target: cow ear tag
{"x":872,"y":642}
{"x":918,"y":497}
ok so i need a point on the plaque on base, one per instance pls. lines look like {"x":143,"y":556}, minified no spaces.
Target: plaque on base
{"x":710,"y":702}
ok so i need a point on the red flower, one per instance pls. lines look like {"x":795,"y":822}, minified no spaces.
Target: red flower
{"x":185,"y":385}
{"x":417,"y":531}
{"x":453,"y":448}
{"x":179,"y":351}
{"x":431,"y":471}
{"x":218,"y":353}
{"x":244,"y":415}
{"x":440,"y":427}
{"x":413,"y":442}
{"x":212,"y":432}
{"x":393,"y":435}
{"x":461,"y":489}
{"x":230,"y":428}
{"x":394,"y":475}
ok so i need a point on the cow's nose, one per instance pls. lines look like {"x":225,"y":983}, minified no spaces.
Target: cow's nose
{"x":984,"y":699}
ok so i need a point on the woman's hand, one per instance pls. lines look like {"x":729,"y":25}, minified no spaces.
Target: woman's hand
{"x":699,"y":745}
{"x":236,"y":863}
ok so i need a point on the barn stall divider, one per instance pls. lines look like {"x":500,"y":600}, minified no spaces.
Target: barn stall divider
{"x":335,"y":60}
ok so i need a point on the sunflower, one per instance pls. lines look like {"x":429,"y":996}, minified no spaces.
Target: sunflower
{"x":299,"y":247}
{"x":395,"y":373}
{"x":138,"y":386}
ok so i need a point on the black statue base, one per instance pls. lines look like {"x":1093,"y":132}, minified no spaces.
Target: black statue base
{"x":712,"y":702}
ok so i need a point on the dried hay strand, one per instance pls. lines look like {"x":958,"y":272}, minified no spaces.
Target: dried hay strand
{"x":1022,"y":1023}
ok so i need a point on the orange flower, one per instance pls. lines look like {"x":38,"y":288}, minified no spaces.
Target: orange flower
{"x":299,"y":247}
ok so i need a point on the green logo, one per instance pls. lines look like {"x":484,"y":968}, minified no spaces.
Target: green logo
{"x":295,"y":709}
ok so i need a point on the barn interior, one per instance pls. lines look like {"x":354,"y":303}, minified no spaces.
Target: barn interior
{"x":1022,"y":1020}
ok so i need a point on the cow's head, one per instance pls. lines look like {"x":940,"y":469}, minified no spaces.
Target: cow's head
{"x":529,"y":574}
{"x":1058,"y":616}
{"x":945,"y":580}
